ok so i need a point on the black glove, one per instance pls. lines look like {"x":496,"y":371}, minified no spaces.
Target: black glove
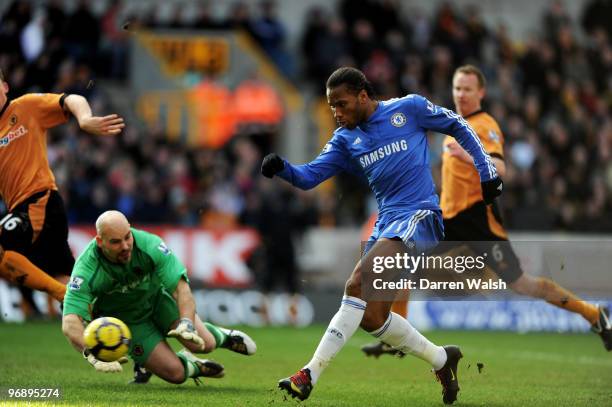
{"x":271,"y":164}
{"x":491,"y":189}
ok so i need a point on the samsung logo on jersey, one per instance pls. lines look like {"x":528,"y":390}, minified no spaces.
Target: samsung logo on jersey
{"x":382,"y":152}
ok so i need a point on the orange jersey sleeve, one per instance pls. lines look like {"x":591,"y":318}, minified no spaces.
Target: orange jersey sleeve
{"x":47,"y":108}
{"x":460,"y":180}
{"x":23,"y":146}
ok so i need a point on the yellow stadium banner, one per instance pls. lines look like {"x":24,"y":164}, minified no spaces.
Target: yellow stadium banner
{"x":179,"y":53}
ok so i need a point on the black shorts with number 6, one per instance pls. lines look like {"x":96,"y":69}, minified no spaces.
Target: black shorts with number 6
{"x":38,"y":229}
{"x":472,"y":228}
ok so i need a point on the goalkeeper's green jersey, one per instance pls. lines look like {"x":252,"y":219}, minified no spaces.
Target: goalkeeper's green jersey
{"x":129,"y":292}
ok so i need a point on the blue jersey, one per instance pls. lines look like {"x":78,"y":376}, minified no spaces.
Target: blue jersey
{"x":390,"y":149}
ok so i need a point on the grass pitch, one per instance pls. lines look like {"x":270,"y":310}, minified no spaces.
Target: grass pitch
{"x":518,"y":370}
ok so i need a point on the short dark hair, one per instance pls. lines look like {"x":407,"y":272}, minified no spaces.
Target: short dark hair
{"x":353,"y":78}
{"x":472,"y":70}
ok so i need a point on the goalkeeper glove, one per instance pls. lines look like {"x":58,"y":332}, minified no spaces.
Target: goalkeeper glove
{"x":491,"y":189}
{"x":271,"y":164}
{"x":104,"y":367}
{"x":186,"y":331}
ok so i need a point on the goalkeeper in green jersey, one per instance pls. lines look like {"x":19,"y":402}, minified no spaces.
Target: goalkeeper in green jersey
{"x":131,"y":275}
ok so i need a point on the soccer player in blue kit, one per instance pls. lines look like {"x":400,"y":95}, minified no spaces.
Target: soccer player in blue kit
{"x":385,"y":141}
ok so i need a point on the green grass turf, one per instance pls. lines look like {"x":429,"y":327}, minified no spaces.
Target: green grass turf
{"x":519,"y":370}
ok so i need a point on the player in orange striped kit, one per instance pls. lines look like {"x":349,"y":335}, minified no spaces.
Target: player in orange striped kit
{"x":34,"y":232}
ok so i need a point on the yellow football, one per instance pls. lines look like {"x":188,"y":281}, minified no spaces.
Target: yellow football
{"x":107,"y":338}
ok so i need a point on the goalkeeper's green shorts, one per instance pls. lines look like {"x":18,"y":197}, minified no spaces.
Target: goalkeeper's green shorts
{"x":146,"y":335}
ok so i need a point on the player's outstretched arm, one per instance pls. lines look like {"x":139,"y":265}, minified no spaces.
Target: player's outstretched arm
{"x":186,"y":305}
{"x":72,"y":327}
{"x":331,"y":161}
{"x":97,"y":125}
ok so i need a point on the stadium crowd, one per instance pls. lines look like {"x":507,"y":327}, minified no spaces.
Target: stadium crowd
{"x":551,"y":95}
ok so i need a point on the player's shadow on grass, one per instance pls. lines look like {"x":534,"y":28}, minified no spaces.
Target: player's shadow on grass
{"x":218,"y":387}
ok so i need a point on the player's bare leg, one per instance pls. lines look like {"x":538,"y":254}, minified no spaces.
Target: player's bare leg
{"x":553,"y":293}
{"x":212,"y":336}
{"x":178,"y":367}
{"x":17,"y":269}
{"x":164,"y":363}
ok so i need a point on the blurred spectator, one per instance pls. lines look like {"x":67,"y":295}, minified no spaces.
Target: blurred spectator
{"x":315,"y":34}
{"x":33,"y":37}
{"x":279,"y":217}
{"x":270,"y":33}
{"x":16,"y":17}
{"x":324,"y":43}
{"x":56,"y":18}
{"x":203,"y":18}
{"x":555,"y":17}
{"x":597,"y":15}
{"x":239,"y":17}
{"x":115,"y":40}
{"x":82,"y":34}
{"x":363,"y":41}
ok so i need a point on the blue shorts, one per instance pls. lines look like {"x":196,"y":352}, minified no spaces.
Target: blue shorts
{"x":420,"y":230}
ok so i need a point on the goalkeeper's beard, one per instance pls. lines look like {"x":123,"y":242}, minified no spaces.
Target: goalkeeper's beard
{"x":124,"y":256}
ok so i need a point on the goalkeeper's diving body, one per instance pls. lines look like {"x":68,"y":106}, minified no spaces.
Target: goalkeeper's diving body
{"x":130,"y":274}
{"x":386,"y":142}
